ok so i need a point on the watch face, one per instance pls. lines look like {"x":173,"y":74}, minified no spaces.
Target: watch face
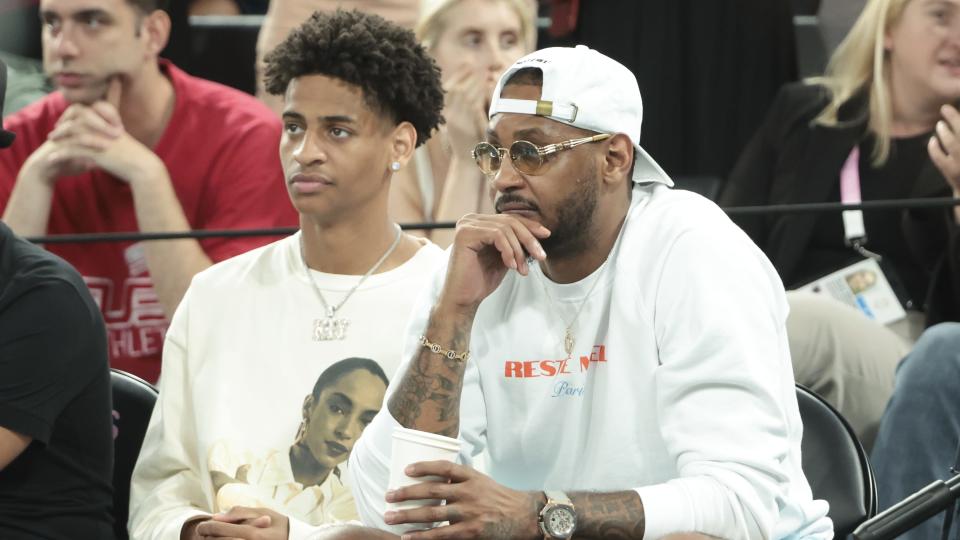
{"x":560,"y":522}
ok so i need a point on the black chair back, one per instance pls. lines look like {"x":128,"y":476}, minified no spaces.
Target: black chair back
{"x":133,"y":400}
{"x":835,"y":464}
{"x":224,"y":49}
{"x":812,"y":54}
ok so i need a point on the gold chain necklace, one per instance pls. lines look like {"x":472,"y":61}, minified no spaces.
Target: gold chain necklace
{"x":569,"y":339}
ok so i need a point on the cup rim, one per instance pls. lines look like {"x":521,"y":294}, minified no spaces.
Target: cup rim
{"x":427,"y":438}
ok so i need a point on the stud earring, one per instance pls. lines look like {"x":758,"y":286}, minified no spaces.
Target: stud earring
{"x":395,"y":166}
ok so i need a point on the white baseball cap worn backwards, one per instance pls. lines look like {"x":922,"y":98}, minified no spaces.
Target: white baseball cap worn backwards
{"x":588,"y":90}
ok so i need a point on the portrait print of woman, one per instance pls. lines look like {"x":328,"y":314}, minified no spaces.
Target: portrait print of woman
{"x":307,"y":480}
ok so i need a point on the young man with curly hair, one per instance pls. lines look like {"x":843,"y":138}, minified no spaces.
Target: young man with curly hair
{"x":253,"y":333}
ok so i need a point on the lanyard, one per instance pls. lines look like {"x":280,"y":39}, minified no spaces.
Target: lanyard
{"x":854,"y":231}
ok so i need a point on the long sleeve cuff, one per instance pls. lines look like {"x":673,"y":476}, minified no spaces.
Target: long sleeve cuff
{"x":666,"y":510}
{"x":301,"y":530}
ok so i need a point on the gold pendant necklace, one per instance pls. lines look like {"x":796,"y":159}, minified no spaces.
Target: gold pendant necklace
{"x":569,"y":341}
{"x":569,"y":338}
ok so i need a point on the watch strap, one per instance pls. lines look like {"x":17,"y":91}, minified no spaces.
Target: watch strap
{"x":554,"y":499}
{"x":557,"y":496}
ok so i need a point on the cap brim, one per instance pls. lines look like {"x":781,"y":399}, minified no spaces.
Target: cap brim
{"x":647,"y":170}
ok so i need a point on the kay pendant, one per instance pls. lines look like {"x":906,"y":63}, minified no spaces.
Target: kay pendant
{"x":330,"y":328}
{"x":568,"y":342}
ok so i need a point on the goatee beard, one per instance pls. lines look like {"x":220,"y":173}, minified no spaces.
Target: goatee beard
{"x":571,"y":234}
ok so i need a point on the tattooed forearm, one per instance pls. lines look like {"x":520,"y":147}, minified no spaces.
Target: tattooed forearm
{"x":428,"y":397}
{"x":614,"y":516}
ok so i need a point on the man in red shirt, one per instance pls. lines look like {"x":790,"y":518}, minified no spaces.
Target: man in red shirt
{"x":130,"y":142}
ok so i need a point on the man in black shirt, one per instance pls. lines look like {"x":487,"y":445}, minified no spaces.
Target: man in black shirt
{"x":56,"y":450}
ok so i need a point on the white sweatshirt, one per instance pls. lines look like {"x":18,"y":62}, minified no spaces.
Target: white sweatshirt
{"x":238,"y":362}
{"x":680,"y":385}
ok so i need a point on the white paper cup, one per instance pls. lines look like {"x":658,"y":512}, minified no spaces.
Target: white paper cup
{"x":412,"y":446}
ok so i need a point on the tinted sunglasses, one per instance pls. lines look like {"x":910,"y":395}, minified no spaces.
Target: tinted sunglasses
{"x":527,"y":157}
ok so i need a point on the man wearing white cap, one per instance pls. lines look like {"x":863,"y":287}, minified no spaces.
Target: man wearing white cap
{"x":630,"y":378}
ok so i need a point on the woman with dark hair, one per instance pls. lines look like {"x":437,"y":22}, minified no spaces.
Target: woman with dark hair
{"x":307,"y":480}
{"x":344,"y":400}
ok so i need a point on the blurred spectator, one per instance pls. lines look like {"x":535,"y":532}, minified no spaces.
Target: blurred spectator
{"x":879,"y":118}
{"x":56,"y":450}
{"x":919,"y":439}
{"x":472,"y":41}
{"x":56,"y":447}
{"x":285,"y":15}
{"x":708,"y":69}
{"x":890,"y":123}
{"x":130,"y":142}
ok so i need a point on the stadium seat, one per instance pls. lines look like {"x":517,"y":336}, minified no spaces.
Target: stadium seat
{"x":835,"y":464}
{"x":133,"y":400}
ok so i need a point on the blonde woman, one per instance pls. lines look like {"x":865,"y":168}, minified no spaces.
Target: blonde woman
{"x":885,"y":109}
{"x":472,"y":41}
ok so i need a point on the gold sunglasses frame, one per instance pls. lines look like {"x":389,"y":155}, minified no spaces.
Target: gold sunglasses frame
{"x":541,"y":151}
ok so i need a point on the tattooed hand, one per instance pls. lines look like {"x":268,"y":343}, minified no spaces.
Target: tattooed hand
{"x":477,"y":507}
{"x":484,"y":249}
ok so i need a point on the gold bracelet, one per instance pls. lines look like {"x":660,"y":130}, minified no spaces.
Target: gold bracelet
{"x":437,"y":349}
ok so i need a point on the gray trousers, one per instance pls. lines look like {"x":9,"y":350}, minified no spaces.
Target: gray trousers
{"x":844,"y":357}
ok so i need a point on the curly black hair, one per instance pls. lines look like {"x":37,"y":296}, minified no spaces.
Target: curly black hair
{"x":395,"y":73}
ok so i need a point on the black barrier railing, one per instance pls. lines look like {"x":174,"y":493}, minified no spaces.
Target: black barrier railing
{"x":86,"y":238}
{"x":801,"y":208}
{"x":909,"y":204}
